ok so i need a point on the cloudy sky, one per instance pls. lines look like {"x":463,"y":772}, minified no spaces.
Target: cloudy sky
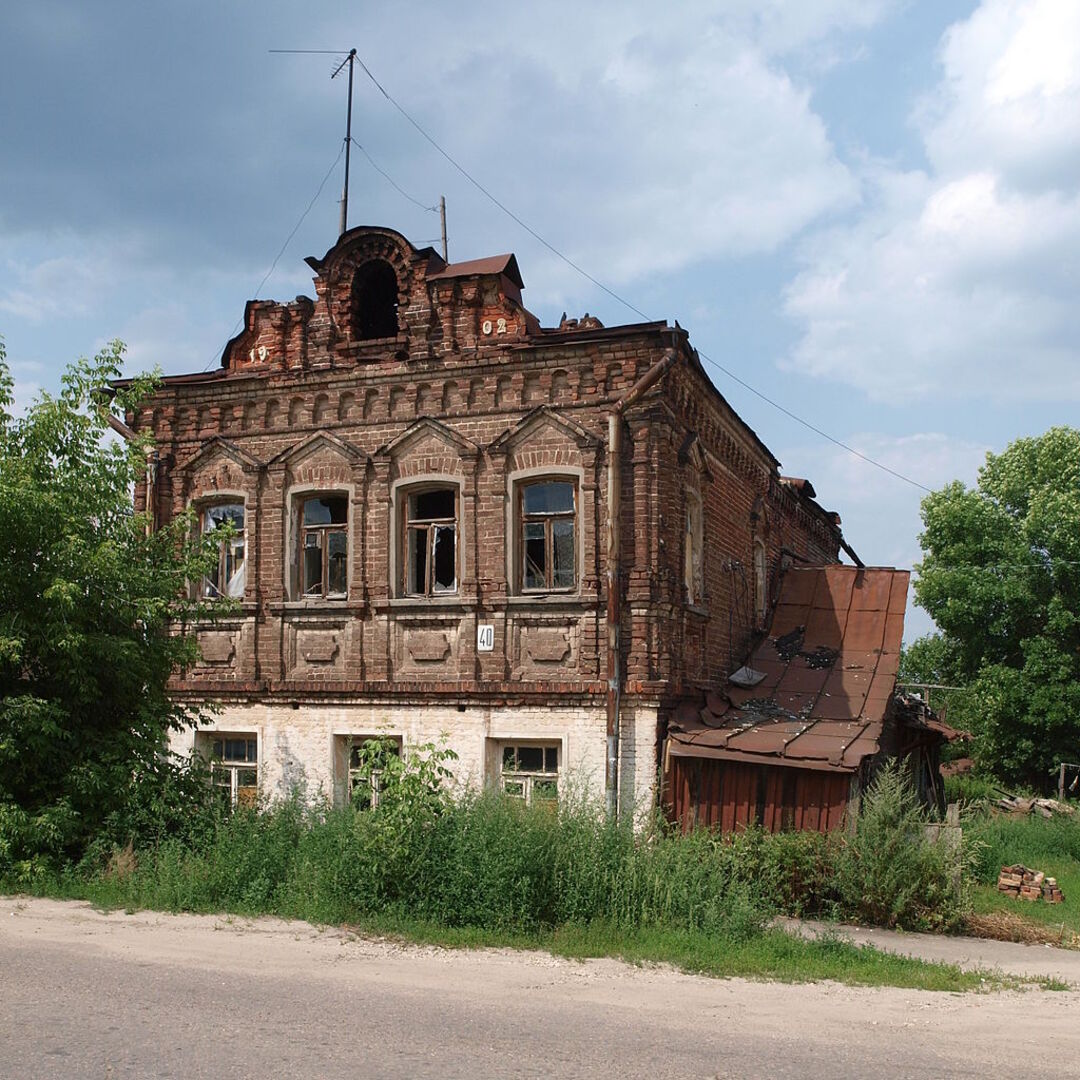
{"x":868,"y":210}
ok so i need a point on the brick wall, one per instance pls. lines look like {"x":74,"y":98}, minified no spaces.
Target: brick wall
{"x":470,"y":394}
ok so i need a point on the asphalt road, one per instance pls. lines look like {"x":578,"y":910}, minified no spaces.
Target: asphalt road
{"x":85,"y":994}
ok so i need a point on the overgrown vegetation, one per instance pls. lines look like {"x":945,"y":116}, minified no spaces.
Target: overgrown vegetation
{"x":88,"y":598}
{"x":490,"y":868}
{"x":1001,"y":578}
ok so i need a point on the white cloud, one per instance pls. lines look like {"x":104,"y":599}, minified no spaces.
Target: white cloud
{"x":961,"y":281}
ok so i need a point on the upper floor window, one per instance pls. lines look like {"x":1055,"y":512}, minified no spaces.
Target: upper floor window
{"x":430,"y":529}
{"x":375,"y":301}
{"x":324,"y":546}
{"x":228,"y":577}
{"x":761,"y":581}
{"x":693,"y":566}
{"x":548,"y":525}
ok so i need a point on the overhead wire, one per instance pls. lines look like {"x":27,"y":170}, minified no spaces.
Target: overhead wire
{"x":622,"y":300}
{"x":391,"y":181}
{"x":288,"y":240}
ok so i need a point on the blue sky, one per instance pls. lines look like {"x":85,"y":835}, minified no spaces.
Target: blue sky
{"x":867,"y":209}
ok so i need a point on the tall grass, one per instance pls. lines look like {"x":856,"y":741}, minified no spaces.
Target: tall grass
{"x":484,"y":861}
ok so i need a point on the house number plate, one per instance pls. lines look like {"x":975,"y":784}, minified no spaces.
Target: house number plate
{"x":485,"y":637}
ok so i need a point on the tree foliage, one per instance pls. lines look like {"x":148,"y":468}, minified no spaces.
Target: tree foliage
{"x":1001,"y":578}
{"x":87,"y":600}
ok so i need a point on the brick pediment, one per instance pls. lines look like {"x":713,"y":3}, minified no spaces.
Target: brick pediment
{"x":544,"y":421}
{"x":427,"y":436}
{"x":215,"y":452}
{"x":323,"y":444}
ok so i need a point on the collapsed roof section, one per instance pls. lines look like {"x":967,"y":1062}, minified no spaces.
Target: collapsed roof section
{"x":817,"y":691}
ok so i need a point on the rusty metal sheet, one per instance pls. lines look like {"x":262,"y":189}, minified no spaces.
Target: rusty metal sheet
{"x":830,"y":662}
{"x":492,"y":264}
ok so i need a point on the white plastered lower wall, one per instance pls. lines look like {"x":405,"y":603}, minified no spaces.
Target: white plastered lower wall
{"x":299,"y":748}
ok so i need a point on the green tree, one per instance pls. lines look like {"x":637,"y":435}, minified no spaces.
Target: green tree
{"x":88,"y":598}
{"x":1001,"y":578}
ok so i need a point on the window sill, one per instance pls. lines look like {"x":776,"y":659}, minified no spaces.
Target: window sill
{"x":425,"y":603}
{"x":698,"y":610}
{"x":314,"y":607}
{"x":551,"y":600}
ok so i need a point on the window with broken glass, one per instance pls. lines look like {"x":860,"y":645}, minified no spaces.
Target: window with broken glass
{"x":228,"y":577}
{"x":234,"y":768}
{"x":548,"y":517}
{"x":430,"y":555}
{"x":324,"y":546}
{"x":530,"y":772}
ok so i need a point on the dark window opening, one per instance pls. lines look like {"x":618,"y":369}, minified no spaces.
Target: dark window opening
{"x":431,"y":542}
{"x":375,"y":301}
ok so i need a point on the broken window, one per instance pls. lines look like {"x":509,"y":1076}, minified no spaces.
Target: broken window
{"x":234,"y":767}
{"x":228,"y":577}
{"x":693,"y":567}
{"x":548,"y":535}
{"x":530,"y":772}
{"x":367,"y":758}
{"x":430,"y":556}
{"x":324,"y":546}
{"x":375,"y":301}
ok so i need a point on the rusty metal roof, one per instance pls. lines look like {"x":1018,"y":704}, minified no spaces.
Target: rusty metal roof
{"x":828,"y":667}
{"x":493,"y":264}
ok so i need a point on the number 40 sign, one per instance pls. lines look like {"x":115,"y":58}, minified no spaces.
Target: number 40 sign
{"x":485,"y":637}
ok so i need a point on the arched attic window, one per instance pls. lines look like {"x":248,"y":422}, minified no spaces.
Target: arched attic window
{"x":375,"y":301}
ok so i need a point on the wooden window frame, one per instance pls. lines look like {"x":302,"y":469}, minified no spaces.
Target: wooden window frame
{"x":322,"y":532}
{"x":547,"y":518}
{"x":430,"y":526}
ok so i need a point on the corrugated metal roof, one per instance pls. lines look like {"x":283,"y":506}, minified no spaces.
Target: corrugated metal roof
{"x":829,"y":664}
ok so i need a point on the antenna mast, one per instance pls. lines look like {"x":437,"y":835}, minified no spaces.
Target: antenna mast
{"x":350,"y":60}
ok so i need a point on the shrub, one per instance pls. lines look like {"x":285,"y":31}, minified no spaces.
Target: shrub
{"x":889,"y":872}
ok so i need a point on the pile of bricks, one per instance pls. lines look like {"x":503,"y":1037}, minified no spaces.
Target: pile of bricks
{"x":1027,"y":884}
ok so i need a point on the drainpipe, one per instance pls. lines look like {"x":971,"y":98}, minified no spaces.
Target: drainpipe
{"x":614,"y":617}
{"x":152,"y":459}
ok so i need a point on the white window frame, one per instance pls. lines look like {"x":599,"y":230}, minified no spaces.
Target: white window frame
{"x":206,"y":589}
{"x":527,"y":780}
{"x":230,"y":767}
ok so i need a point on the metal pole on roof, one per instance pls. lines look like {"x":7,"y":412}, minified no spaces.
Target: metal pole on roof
{"x":344,"y":223}
{"x":442,"y":219}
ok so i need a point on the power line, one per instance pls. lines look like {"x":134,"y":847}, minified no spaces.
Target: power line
{"x":288,"y":240}
{"x":620,"y":299}
{"x":392,"y":182}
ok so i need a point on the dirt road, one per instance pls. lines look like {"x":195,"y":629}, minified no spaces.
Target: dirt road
{"x":86,"y":994}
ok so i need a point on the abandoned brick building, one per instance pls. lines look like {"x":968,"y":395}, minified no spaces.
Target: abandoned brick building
{"x":430,"y":493}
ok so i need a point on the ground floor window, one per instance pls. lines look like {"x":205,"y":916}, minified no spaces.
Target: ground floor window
{"x":530,"y":771}
{"x":362,"y":767}
{"x":234,"y":766}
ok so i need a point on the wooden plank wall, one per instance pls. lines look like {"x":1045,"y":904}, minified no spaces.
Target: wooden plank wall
{"x":730,"y":796}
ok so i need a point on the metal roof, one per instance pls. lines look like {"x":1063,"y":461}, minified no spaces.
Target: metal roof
{"x":492,"y":264}
{"x":828,"y":670}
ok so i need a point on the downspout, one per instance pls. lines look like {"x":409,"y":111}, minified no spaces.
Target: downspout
{"x":152,"y":459}
{"x":614,"y":615}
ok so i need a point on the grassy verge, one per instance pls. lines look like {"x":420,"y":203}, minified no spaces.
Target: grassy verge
{"x":1052,"y":846}
{"x":767,"y":954}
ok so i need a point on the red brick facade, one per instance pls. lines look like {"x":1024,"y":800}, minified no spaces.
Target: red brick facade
{"x":472,"y":395}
